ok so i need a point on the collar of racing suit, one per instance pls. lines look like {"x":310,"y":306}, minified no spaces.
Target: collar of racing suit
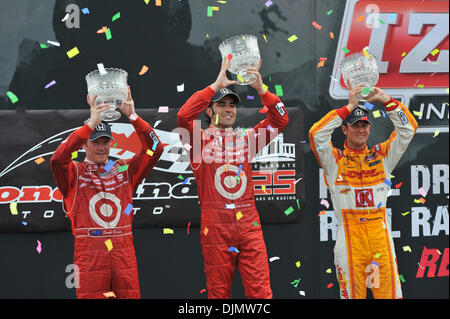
{"x":352,"y":151}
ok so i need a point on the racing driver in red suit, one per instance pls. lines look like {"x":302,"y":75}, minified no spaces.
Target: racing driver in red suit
{"x":230,"y":233}
{"x":358,"y":178}
{"x":97,"y":197}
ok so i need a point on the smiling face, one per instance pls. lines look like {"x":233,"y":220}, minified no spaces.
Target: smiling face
{"x":225,"y":109}
{"x":357,"y":134}
{"x":97,"y":151}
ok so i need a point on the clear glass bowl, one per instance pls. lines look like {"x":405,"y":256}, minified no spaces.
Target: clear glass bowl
{"x":360,"y":69}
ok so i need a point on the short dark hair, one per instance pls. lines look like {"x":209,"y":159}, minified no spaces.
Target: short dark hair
{"x":208,"y":119}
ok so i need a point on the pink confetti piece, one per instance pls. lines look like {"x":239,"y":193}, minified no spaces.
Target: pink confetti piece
{"x":39,"y":247}
{"x":316,"y":25}
{"x":50,"y":84}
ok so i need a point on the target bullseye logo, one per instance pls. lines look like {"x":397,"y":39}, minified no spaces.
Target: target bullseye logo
{"x":107,"y":204}
{"x":227,"y":184}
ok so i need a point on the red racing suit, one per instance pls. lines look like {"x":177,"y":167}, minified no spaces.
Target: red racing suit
{"x":358,"y":182}
{"x":98,"y":202}
{"x":231,"y":232}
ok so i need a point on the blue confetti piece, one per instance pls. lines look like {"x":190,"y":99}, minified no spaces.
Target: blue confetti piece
{"x":24,"y":223}
{"x":250,"y":97}
{"x":379,"y":204}
{"x":85,"y":11}
{"x":239,"y":171}
{"x":128,"y":210}
{"x":387,"y":182}
{"x":186,"y":180}
{"x":384,"y":114}
{"x":108,"y":165}
{"x":154,"y":146}
{"x":231,"y":249}
{"x":368,"y":106}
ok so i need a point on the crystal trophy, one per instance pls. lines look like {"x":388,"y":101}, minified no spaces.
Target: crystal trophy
{"x":360,"y":68}
{"x":245,"y":54}
{"x":111,"y":88}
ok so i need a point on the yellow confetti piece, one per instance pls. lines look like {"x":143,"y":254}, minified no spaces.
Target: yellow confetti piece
{"x":391,"y":104}
{"x":265,"y":87}
{"x":73,"y":52}
{"x":265,"y":39}
{"x":403,"y":54}
{"x":240,"y":78}
{"x":149,"y":152}
{"x":420,"y":86}
{"x":39,"y":160}
{"x":109,"y":244}
{"x":292,"y":38}
{"x":239,"y":215}
{"x":377,"y":255}
{"x":264,"y":188}
{"x":74,"y":154}
{"x":407,"y":248}
{"x":217,"y":119}
{"x":146,"y":1}
{"x":417,"y":113}
{"x":167,"y":231}
{"x":420,"y":200}
{"x":109,"y":294}
{"x":298,"y":264}
{"x":366,"y":53}
{"x":376,"y":114}
{"x":13,"y":208}
{"x":434,"y":52}
{"x":328,"y":271}
{"x":436,"y":133}
{"x":405,"y":213}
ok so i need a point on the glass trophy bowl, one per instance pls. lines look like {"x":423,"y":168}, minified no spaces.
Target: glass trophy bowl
{"x":359,"y":68}
{"x":245,"y":52}
{"x":111,"y":88}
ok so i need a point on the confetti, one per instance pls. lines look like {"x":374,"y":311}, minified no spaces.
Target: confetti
{"x":39,"y":247}
{"x":434,"y":52}
{"x":270,"y":128}
{"x":163,"y":109}
{"x":209,"y":12}
{"x":316,"y":25}
{"x":231,"y":249}
{"x":328,"y":271}
{"x":320,"y":64}
{"x":255,"y":224}
{"x":376,"y":114}
{"x":43,"y":46}
{"x":57,"y":44}
{"x":189,"y":225}
{"x":102,"y":30}
{"x":420,"y":200}
{"x":298,"y":204}
{"x":72,"y":52}
{"x":65,"y":17}
{"x":401,"y":278}
{"x":202,"y":291}
{"x":108,"y":34}
{"x":39,"y":160}
{"x":85,"y":10}
{"x":264,"y":189}
{"x":101,"y":68}
{"x":329,"y":12}
{"x":108,"y":165}
{"x":298,"y":264}
{"x":240,"y":78}
{"x":321,"y":213}
{"x":368,"y":106}
{"x":279,"y":90}
{"x":295,"y":282}
{"x":13,"y":208}
{"x":109,"y":294}
{"x":325,"y":203}
{"x":143,"y":70}
{"x":205,"y":231}
{"x":116,"y":16}
{"x":128,"y":209}
{"x":268,"y":3}
{"x":109,"y":244}
{"x":158,"y":3}
{"x":186,"y":180}
{"x":12,"y":97}
{"x":422,"y":192}
{"x":377,"y":255}
{"x":436,"y":133}
{"x":366,"y":90}
{"x":217,"y":119}
{"x":329,"y":285}
{"x":273,"y":259}
{"x":417,"y":113}
{"x":149,"y":152}
{"x":331,"y":35}
{"x":180,"y":88}
{"x":359,"y":19}
{"x":288,"y":211}
{"x":387,"y":182}
{"x":167,"y":231}
{"x":345,"y":50}
{"x":50,"y":84}
{"x":407,"y":248}
{"x":405,"y":213}
{"x":399,"y":185}
{"x":391,"y":104}
{"x":302,"y":293}
{"x":298,"y":180}
{"x":238,"y":215}
{"x":292,"y":38}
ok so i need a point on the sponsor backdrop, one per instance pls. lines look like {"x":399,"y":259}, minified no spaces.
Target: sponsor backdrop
{"x":43,"y":99}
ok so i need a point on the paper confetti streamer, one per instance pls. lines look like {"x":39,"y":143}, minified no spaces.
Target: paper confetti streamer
{"x":295,"y":282}
{"x":279,"y":90}
{"x":167,"y":231}
{"x":128,"y":209}
{"x":331,"y":35}
{"x":109,"y":244}
{"x":240,"y":78}
{"x":325,"y":203}
{"x":158,"y":3}
{"x":238,"y":215}
{"x":316,"y":25}
{"x":202,"y":291}
{"x":321,"y":213}
{"x":108,"y":34}
{"x":376,"y":114}
{"x":56,"y":44}
{"x":210,"y":10}
{"x":289,"y":211}
{"x":330,"y":285}
{"x":417,"y":113}
{"x":163,"y":109}
{"x":39,"y":247}
{"x":12,"y":97}
{"x":108,"y":165}
{"x":405,"y":213}
{"x":359,"y":19}
{"x":143,"y":70}
{"x":345,"y":50}
{"x":72,"y":52}
{"x":329,"y":12}
{"x":273,"y":259}
{"x":387,"y":182}
{"x":401,"y":278}
{"x":368,"y":106}
{"x":328,"y":271}
{"x":420,"y":200}
{"x":298,"y":264}
{"x":434,"y":52}
{"x":39,"y":160}
{"x":205,"y":231}
{"x":292,"y":38}
{"x":217,"y":119}
{"x":75,"y":154}
{"x":149,"y":152}
{"x":189,"y":225}
{"x":320,"y":64}
{"x":231,"y":249}
{"x":180,"y":88}
{"x":407,"y":248}
{"x":268,"y":3}
{"x":366,"y":90}
{"x":422,"y":192}
{"x":13,"y":208}
{"x":116,"y":16}
{"x":399,"y":185}
{"x":50,"y":84}
{"x":377,"y":255}
{"x":109,"y":294}
{"x":85,"y":10}
{"x":436,"y":133}
{"x":101,"y":68}
{"x":255,"y":224}
{"x":102,"y":30}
